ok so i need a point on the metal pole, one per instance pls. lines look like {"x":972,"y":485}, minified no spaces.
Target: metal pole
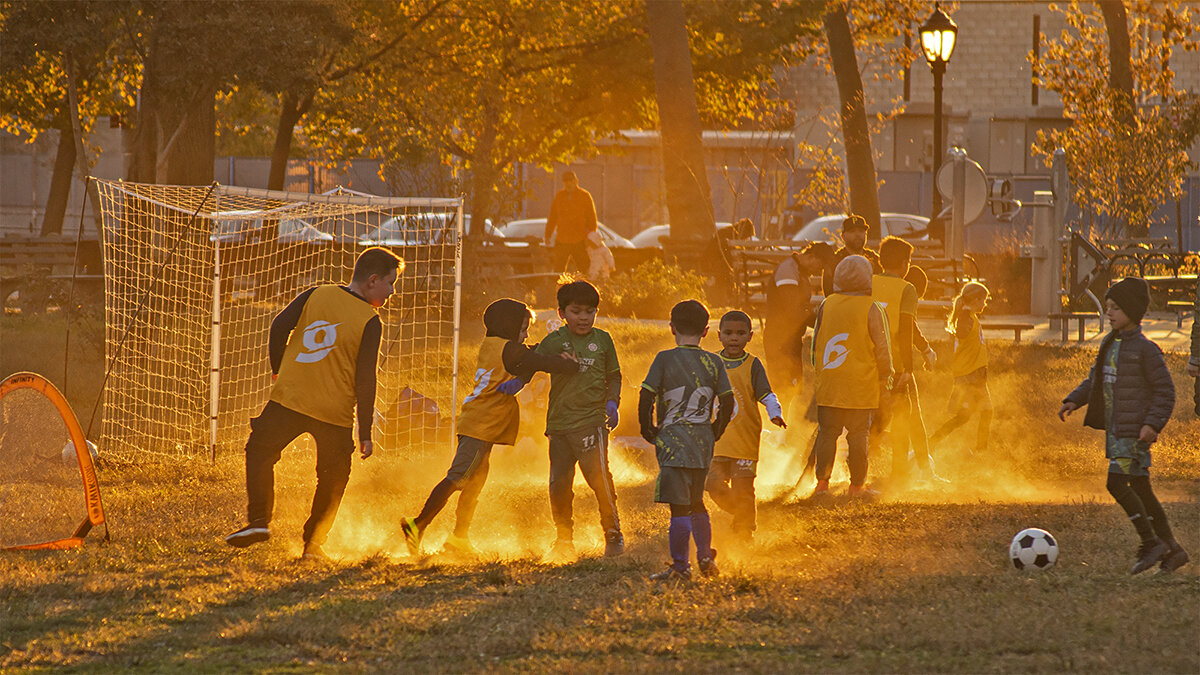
{"x":939,"y":69}
{"x":214,"y":376}
{"x":458,"y":251}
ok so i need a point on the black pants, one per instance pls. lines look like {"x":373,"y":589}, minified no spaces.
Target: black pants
{"x":587,"y":447}
{"x":570,"y":257}
{"x":270,"y":433}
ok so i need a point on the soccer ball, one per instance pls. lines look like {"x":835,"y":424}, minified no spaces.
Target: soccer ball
{"x":68,"y":453}
{"x":1033,"y":549}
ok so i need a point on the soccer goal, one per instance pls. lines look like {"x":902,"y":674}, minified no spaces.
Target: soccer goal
{"x":194,"y":275}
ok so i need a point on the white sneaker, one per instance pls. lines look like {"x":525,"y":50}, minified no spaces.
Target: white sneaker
{"x":247,"y":536}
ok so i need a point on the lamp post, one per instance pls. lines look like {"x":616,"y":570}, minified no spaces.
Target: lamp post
{"x":939,"y":35}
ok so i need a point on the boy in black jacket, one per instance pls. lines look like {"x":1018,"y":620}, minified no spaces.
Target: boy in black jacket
{"x":1130,"y":395}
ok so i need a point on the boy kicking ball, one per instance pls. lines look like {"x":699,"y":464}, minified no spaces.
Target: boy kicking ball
{"x":734,"y":465}
{"x":682,"y":384}
{"x":1129,"y":394}
{"x":490,"y":416}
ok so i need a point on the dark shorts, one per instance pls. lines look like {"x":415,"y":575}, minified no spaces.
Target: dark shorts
{"x":726,"y":468}
{"x":580,"y":442}
{"x":467,"y":457}
{"x":971,"y":391}
{"x":679,"y":486}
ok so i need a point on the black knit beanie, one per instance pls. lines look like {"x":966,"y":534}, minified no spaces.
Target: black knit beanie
{"x":1132,"y":295}
{"x":504,"y":318}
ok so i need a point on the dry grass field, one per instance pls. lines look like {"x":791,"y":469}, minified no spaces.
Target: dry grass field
{"x":916,"y":582}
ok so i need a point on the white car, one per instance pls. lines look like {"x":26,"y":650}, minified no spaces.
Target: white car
{"x":828,"y":228}
{"x":536,"y":228}
{"x":238,"y":227}
{"x":652,"y":237}
{"x":415,"y":229}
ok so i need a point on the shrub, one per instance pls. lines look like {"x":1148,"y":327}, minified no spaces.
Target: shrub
{"x":649,"y":290}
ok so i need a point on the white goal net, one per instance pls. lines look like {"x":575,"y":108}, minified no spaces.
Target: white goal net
{"x":194,"y":275}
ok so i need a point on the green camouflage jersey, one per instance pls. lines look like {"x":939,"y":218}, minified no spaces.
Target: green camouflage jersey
{"x":577,"y":399}
{"x":686,"y":382}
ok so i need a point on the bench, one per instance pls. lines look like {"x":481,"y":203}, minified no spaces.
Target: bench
{"x":1180,"y":307}
{"x":26,"y":263}
{"x":1016,"y":328}
{"x":1080,"y":319}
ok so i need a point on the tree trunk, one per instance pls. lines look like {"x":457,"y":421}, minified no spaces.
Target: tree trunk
{"x":1120,"y":84}
{"x":856,"y":137}
{"x":60,"y":182}
{"x":688,"y":198}
{"x":290,"y":113}
{"x":191,"y":144}
{"x":483,"y":167}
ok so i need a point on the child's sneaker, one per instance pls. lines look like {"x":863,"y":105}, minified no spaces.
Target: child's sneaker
{"x":412,"y":535}
{"x":460,"y":546}
{"x":313,"y":552}
{"x":247,"y":535}
{"x":614,"y":543}
{"x":863,"y":492}
{"x":1175,"y":558}
{"x":672,"y":574}
{"x":822,"y":490}
{"x":708,"y":564}
{"x":563,"y":551}
{"x":1149,"y":553}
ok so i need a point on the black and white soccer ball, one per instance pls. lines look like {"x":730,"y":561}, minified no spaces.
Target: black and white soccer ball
{"x":1033,"y":549}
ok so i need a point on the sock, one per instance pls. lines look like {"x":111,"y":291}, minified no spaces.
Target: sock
{"x":702,"y":532}
{"x":678,"y":534}
{"x":1118,"y":487}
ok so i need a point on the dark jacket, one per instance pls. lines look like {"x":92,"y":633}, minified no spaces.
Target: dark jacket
{"x":1142,"y":395}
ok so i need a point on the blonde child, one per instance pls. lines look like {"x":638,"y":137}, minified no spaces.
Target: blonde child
{"x":969,"y":366}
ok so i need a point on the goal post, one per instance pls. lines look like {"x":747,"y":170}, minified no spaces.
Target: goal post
{"x":194,"y":275}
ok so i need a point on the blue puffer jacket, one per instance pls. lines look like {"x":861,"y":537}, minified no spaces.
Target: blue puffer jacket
{"x":1143,"y":393}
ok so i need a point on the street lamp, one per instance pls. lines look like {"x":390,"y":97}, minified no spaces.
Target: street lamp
{"x":939,"y":34}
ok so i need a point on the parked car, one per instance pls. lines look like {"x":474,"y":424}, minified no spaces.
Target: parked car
{"x":652,"y":237}
{"x":536,"y":228}
{"x":235,"y":227}
{"x":827,"y":228}
{"x":414,"y":229}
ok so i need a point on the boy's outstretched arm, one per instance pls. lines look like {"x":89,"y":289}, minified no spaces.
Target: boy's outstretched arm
{"x":646,"y":415}
{"x":1078,"y":398}
{"x":364,"y":383}
{"x":725,"y":405}
{"x":524,"y":361}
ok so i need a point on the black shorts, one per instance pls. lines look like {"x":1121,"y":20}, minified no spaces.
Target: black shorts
{"x":469,"y":454}
{"x":680,"y":486}
{"x":726,"y":468}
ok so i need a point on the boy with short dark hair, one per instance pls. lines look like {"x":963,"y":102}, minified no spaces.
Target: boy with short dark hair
{"x":734,"y":465}
{"x":490,"y":416}
{"x":583,"y":406}
{"x":1130,"y":395}
{"x":323,"y":349}
{"x":682,"y":384}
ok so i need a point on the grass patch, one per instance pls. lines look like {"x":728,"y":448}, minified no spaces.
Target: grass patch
{"x":917,"y":582}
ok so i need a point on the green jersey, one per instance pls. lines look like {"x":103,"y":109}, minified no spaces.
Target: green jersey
{"x":578,"y":399}
{"x":686,"y":381}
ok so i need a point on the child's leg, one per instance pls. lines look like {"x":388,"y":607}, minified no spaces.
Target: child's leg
{"x":679,"y":535}
{"x":471,"y":452}
{"x":674,"y":489}
{"x":717,"y":483}
{"x":468,"y":499}
{"x":592,"y":451}
{"x":1153,"y":508}
{"x":899,"y":433}
{"x":270,"y":433}
{"x":701,"y":525}
{"x":1118,"y":487}
{"x":916,"y":428}
{"x":983,"y":434}
{"x":858,"y":427}
{"x":335,"y":448}
{"x":562,"y":478}
{"x":961,"y":407}
{"x":744,"y":517}
{"x":829,"y":428}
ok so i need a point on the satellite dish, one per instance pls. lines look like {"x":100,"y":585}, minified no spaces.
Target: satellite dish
{"x":976,"y":192}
